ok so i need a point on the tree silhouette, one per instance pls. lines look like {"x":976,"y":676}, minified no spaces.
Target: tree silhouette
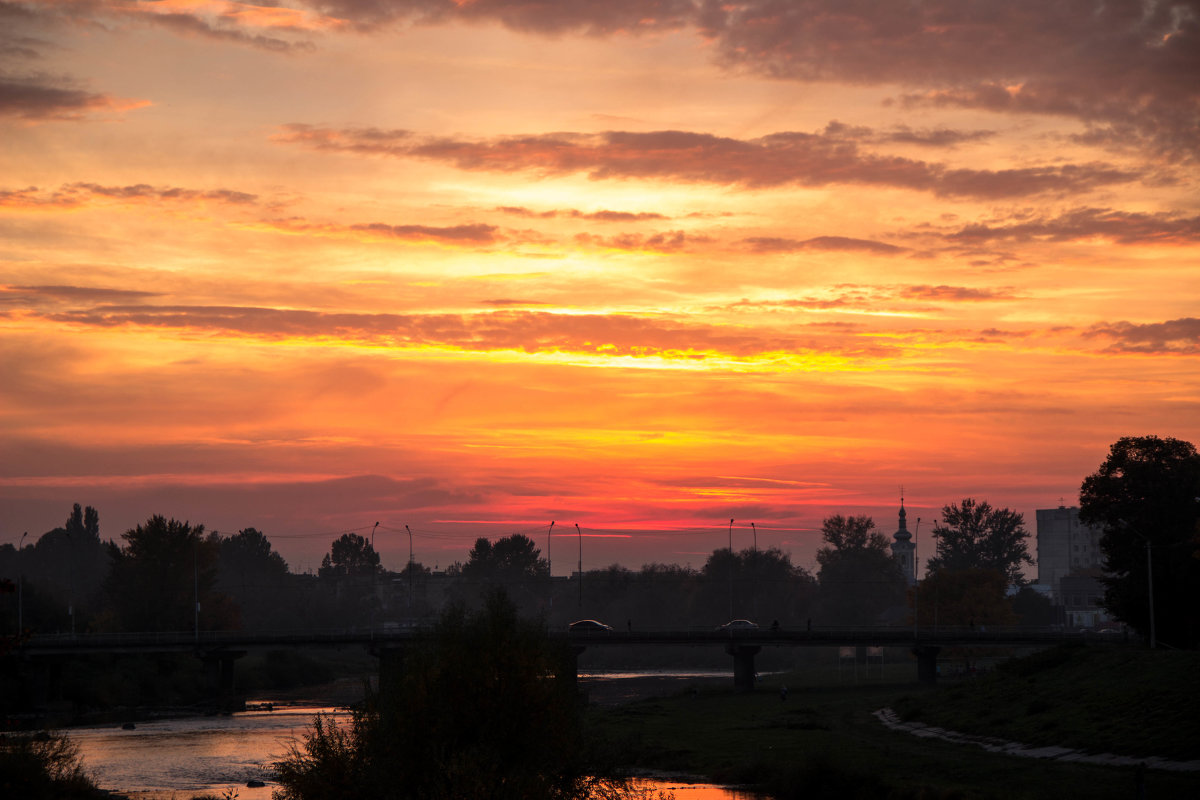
{"x":859,"y":579}
{"x":973,"y":535}
{"x":159,"y":573}
{"x":510,"y":558}
{"x":1146,"y":496}
{"x":255,"y":577}
{"x":350,"y":556}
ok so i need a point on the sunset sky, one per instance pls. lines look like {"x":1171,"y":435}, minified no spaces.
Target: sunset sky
{"x":643,"y":267}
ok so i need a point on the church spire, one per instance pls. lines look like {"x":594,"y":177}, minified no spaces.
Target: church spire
{"x":902,"y":534}
{"x":904,"y":549}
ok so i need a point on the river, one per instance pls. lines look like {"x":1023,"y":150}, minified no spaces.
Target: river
{"x":177,"y":759}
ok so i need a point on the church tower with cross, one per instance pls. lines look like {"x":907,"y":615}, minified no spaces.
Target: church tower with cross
{"x":904,"y":549}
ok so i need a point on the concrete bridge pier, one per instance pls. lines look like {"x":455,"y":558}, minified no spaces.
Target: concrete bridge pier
{"x":743,"y":665}
{"x":926,"y":662}
{"x":570,"y":667}
{"x":391,"y":667}
{"x":220,"y":665}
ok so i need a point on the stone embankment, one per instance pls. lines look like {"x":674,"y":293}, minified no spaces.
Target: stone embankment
{"x":889,"y":718}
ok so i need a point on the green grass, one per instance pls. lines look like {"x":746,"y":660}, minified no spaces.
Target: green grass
{"x":824,"y":742}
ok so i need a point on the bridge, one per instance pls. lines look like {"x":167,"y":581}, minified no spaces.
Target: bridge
{"x":221,"y":649}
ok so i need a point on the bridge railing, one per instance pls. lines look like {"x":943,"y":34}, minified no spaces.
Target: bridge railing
{"x":814,"y":636}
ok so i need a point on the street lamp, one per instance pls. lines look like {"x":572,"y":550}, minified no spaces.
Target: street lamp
{"x":549,"y":574}
{"x":410,"y":574}
{"x":731,"y":569}
{"x":580,"y":533}
{"x":916,"y":579}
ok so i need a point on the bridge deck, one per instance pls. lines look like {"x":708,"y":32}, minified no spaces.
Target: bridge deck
{"x":47,"y":644}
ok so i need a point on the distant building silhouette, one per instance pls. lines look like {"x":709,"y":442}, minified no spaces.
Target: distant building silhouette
{"x":1070,"y":565}
{"x":904,"y":549}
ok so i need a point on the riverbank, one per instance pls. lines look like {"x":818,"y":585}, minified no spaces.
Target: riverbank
{"x":824,"y":739}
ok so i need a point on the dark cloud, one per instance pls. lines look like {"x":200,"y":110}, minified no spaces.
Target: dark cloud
{"x":524,"y":331}
{"x":1129,"y":67}
{"x":938,"y":137}
{"x":470,"y":234}
{"x":666,"y":242}
{"x":769,"y":244}
{"x":189,"y":24}
{"x":72,"y":195}
{"x":1174,"y":337}
{"x":805,"y":159}
{"x":885,"y":297}
{"x":505,"y":302}
{"x":597,"y":216}
{"x":1125,"y":69}
{"x":45,"y":99}
{"x":31,"y":295}
{"x":1122,"y":227}
{"x":547,"y":17}
{"x":467,"y":234}
{"x":956,"y":293}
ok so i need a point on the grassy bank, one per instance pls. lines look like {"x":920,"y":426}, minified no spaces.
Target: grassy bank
{"x":822,"y":741}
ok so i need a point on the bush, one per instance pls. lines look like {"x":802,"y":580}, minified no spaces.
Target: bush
{"x":43,"y":766}
{"x":478,"y":711}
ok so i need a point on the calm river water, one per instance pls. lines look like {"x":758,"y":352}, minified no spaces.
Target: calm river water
{"x":177,"y":759}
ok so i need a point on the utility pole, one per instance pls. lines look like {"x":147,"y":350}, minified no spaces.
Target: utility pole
{"x":549,"y":574}
{"x":731,"y":569}
{"x":410,"y":573}
{"x":580,"y":564}
{"x":916,"y":579}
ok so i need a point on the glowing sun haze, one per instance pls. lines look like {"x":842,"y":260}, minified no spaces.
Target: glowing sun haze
{"x":643,"y":267}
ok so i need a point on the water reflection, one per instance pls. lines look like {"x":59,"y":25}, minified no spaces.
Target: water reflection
{"x":179,"y":758}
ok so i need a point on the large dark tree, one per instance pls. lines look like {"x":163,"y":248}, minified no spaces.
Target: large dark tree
{"x":514,"y":557}
{"x":761,"y":585}
{"x":512,"y":563}
{"x":973,"y":535}
{"x":256,"y":578}
{"x":350,"y":556}
{"x":859,"y":579}
{"x":159,"y":573}
{"x":1145,"y":497}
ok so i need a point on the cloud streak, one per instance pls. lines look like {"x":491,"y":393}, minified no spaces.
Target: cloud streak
{"x":75,"y":195}
{"x":777,"y":160}
{"x":43,"y":99}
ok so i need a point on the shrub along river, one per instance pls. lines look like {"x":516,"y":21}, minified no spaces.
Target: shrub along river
{"x":176,"y":759}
